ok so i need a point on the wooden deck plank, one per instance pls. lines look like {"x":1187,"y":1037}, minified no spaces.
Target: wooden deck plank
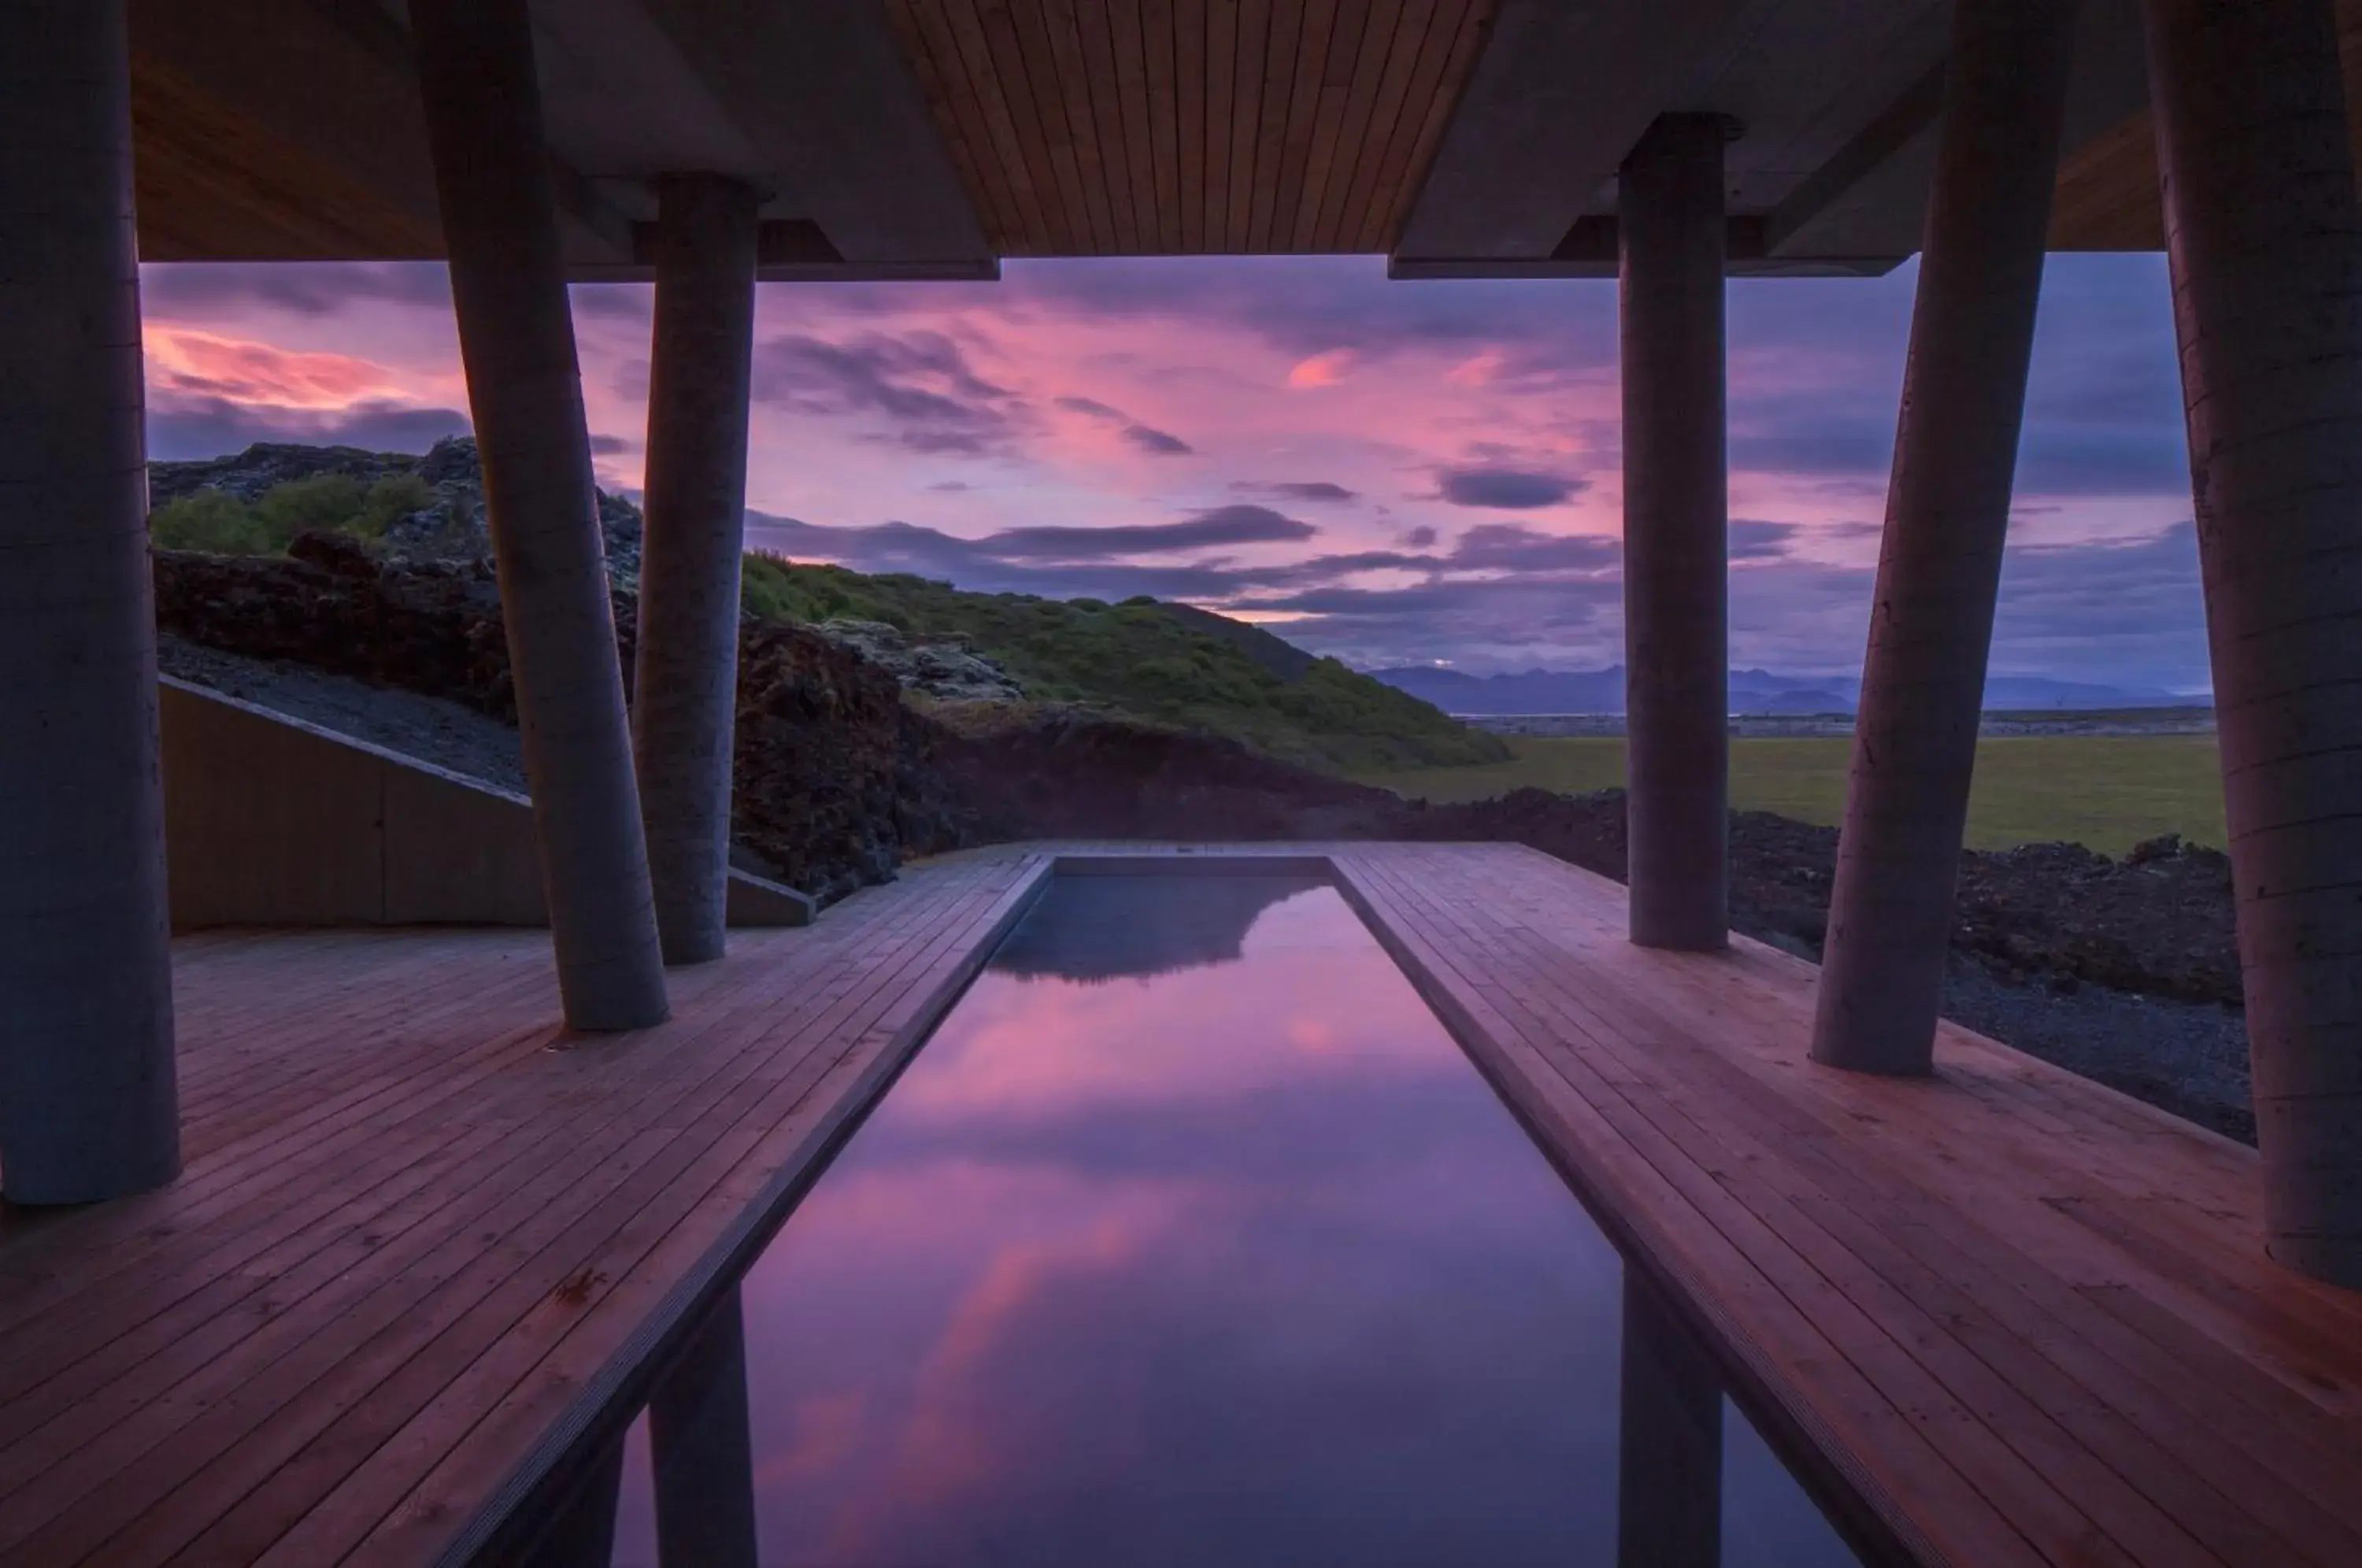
{"x":2037,"y":1406}
{"x":412,"y":1421}
{"x":660,"y":1081}
{"x":2192,"y":1454}
{"x":2027,"y":1319}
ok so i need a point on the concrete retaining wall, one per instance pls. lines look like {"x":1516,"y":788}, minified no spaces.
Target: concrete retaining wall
{"x":269,"y":820}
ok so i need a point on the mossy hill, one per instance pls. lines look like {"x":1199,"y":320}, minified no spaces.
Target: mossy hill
{"x":1169,"y":664}
{"x":1166,"y":664}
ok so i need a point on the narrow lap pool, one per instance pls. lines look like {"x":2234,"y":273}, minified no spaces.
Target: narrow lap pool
{"x":1191,"y":1237}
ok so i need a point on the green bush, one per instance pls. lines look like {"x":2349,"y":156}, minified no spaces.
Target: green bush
{"x":328,"y":501}
{"x":389,"y":501}
{"x":219,"y":522}
{"x":210,"y":520}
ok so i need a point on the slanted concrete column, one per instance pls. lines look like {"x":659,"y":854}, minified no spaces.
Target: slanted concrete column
{"x":2265,"y":237}
{"x":703,"y":1454}
{"x":1676,"y":506}
{"x":1668,"y":1466}
{"x":525,"y":390}
{"x":1947,"y":518}
{"x":685,"y":691}
{"x":88,"y":1104}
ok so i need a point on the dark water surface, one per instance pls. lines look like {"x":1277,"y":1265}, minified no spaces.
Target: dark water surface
{"x":1191,"y":1238}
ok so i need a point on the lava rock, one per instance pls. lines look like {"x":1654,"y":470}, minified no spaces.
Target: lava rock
{"x":947,"y":668}
{"x":452,"y":528}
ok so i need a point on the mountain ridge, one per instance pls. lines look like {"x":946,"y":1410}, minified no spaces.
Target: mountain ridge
{"x":1539,"y":691}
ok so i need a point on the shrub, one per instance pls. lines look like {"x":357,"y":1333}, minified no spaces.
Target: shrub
{"x":327,"y":501}
{"x":210,"y":520}
{"x":220,"y":523}
{"x":389,"y":501}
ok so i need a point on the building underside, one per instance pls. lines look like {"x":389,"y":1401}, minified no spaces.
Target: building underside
{"x":933,"y":137}
{"x":2031,"y":1323}
{"x":706,"y":145}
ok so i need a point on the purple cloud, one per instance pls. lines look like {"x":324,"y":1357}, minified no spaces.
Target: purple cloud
{"x":1508,"y":490}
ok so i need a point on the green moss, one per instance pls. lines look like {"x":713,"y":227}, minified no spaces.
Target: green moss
{"x":1147,"y":660}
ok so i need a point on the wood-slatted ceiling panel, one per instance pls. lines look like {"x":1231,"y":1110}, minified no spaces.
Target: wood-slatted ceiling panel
{"x":1119,"y":127}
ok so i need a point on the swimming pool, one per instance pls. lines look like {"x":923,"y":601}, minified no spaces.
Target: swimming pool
{"x":1190,"y":1236}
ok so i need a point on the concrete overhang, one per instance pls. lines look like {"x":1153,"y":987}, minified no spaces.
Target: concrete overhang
{"x":1834,"y":106}
{"x":930,"y":138}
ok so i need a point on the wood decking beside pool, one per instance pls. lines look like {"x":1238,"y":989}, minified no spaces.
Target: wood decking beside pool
{"x":416,"y":1250}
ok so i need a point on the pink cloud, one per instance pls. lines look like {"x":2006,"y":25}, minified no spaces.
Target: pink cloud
{"x":1321,"y":369}
{"x":200,"y":363}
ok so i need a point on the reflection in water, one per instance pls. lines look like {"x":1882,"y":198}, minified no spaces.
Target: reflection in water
{"x":1137,"y":929}
{"x":1240,"y":1263}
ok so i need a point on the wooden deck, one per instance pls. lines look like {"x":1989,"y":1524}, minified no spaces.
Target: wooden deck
{"x":416,"y":1250}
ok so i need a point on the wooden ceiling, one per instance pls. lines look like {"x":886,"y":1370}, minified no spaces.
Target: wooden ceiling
{"x":1119,"y":127}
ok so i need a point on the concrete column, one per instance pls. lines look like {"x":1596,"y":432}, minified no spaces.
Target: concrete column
{"x":525,"y":390}
{"x":2264,"y":236}
{"x":704,"y":1456}
{"x":1669,"y":1467}
{"x":685,"y":692}
{"x":1947,"y":517}
{"x":88,"y":1103}
{"x":1676,"y":506}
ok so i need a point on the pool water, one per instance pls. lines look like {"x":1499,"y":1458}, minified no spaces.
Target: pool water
{"x":1190,"y":1238}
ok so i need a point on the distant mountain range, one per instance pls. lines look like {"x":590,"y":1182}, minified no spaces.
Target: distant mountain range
{"x":1751,"y":691}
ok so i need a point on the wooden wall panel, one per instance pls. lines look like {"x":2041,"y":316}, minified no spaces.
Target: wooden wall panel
{"x":1109,"y":127}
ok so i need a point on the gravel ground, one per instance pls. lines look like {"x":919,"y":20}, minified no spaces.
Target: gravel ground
{"x":429,"y":728}
{"x":2187,"y":1057}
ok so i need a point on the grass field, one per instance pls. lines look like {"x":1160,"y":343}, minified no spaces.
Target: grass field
{"x":2107,"y":792}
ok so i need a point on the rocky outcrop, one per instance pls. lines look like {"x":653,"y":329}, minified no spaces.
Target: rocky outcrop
{"x":452,"y":528}
{"x":823,"y":787}
{"x":820,"y":798}
{"x":331,"y":604}
{"x":262,"y":467}
{"x":1054,"y":771}
{"x":947,"y":668}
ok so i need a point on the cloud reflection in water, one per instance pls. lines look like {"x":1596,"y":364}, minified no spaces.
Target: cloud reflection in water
{"x":1190,"y":1238}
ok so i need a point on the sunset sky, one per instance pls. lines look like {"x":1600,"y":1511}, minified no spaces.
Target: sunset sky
{"x":1390,"y":472}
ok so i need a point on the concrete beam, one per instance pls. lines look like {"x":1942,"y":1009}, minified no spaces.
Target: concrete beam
{"x":1947,"y":520}
{"x":702,"y":1449}
{"x":824,"y":93}
{"x":89,"y":1106}
{"x":2263,"y":232}
{"x":1871,"y":196}
{"x":525,"y":392}
{"x":685,"y":693}
{"x":1901,"y":135}
{"x":1542,"y":125}
{"x":1676,"y":516}
{"x":1594,"y":248}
